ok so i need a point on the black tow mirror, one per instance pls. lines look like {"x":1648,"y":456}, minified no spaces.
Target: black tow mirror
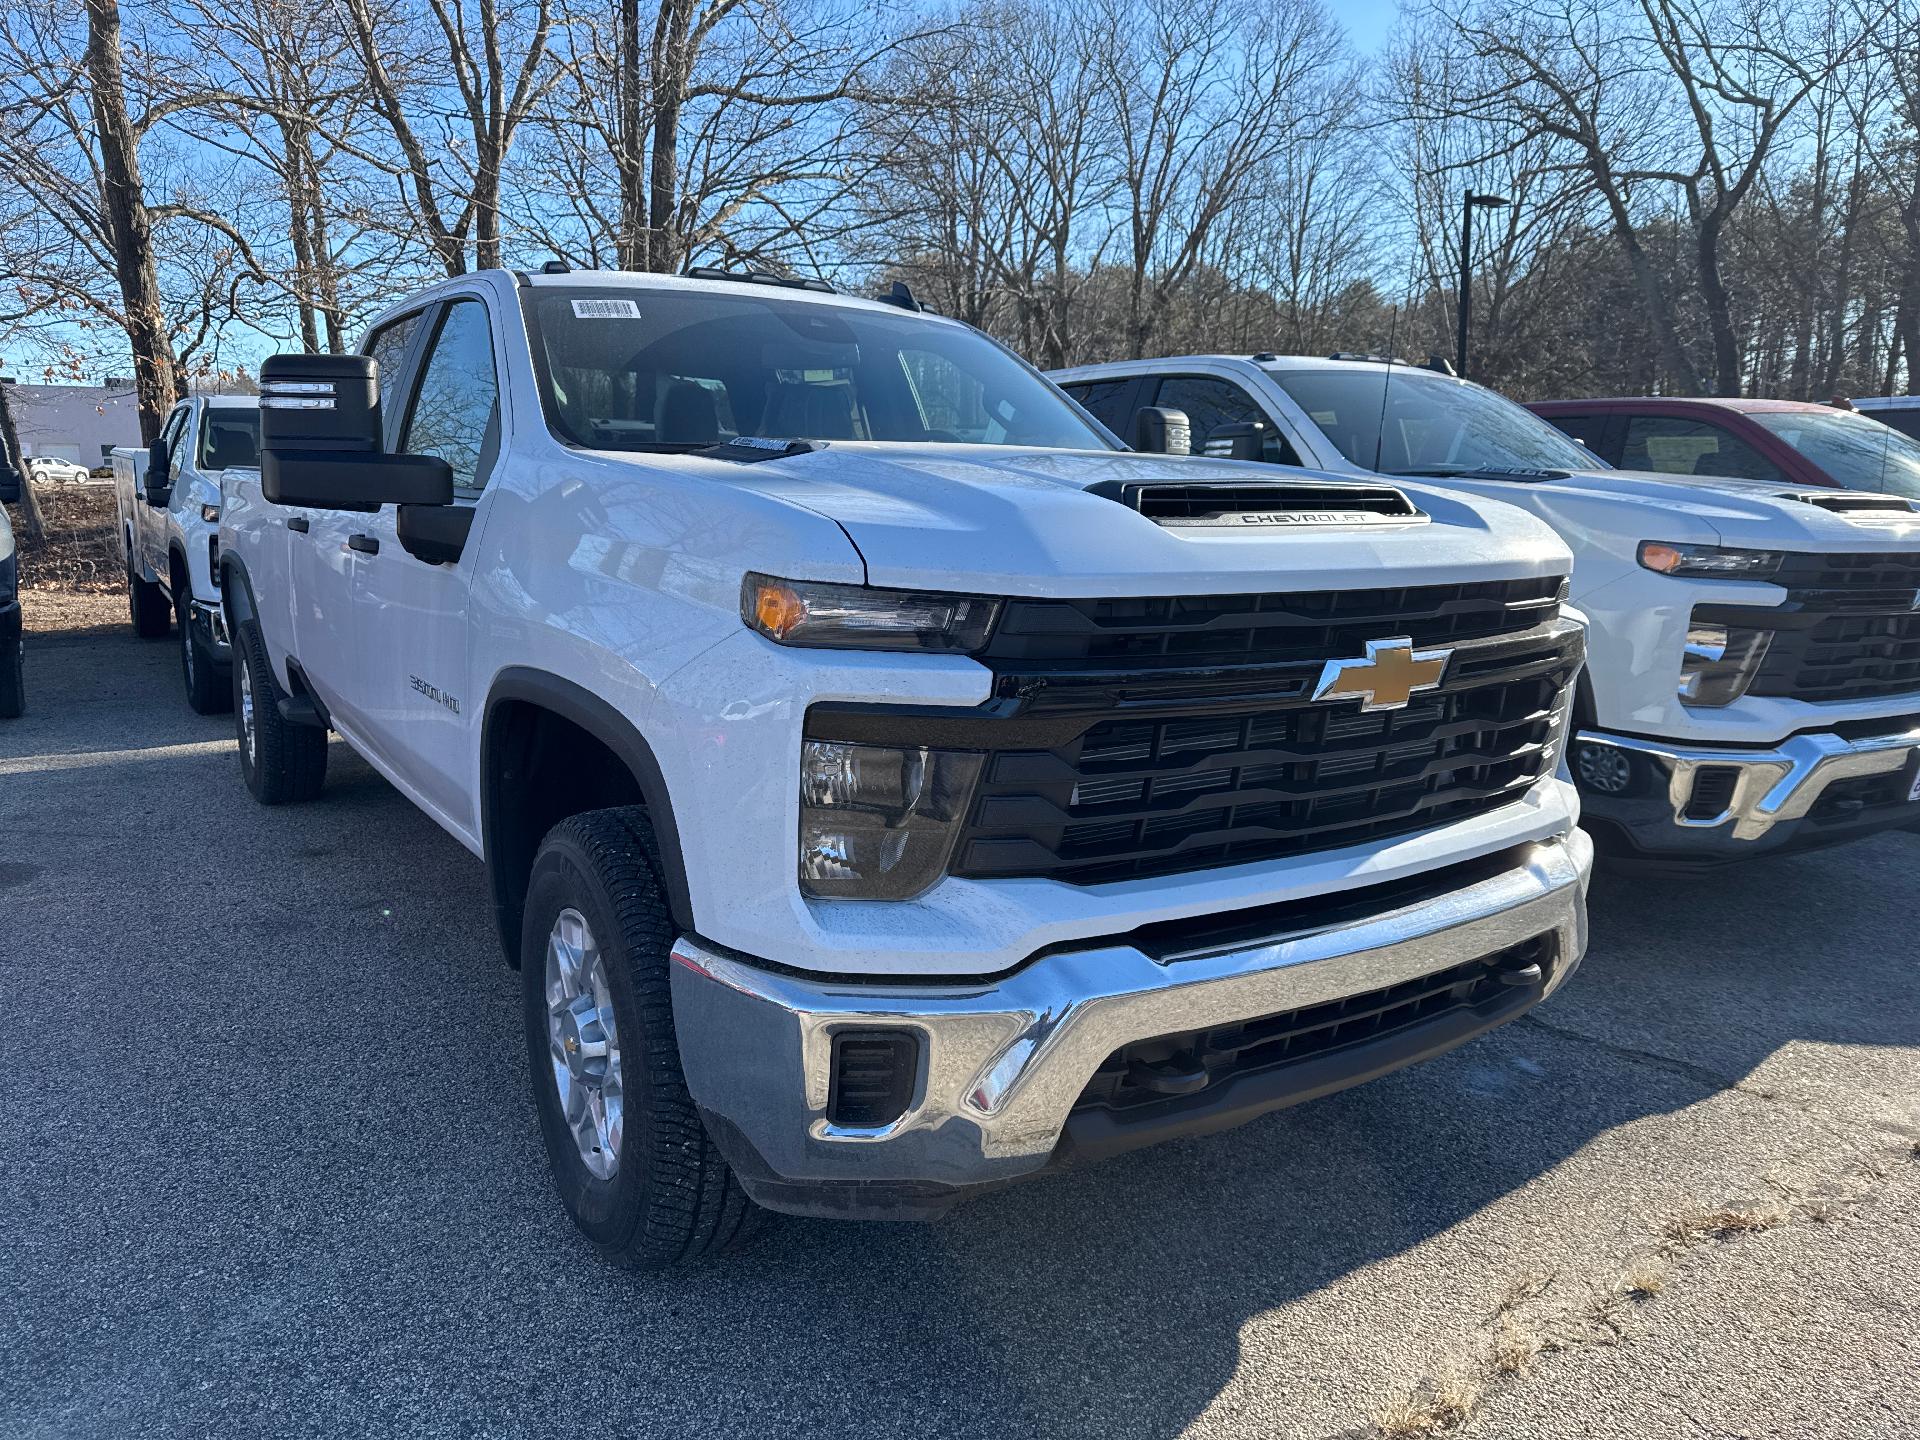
{"x":320,"y":442}
{"x":1158,"y":430}
{"x":11,"y":486}
{"x":154,"y":483}
{"x":1240,"y":440}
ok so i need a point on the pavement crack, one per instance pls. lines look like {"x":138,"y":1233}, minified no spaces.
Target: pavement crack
{"x":1719,"y":1079}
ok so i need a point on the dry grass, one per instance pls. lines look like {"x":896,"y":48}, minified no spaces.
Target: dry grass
{"x":1444,"y":1404}
{"x":1514,"y":1347}
{"x":80,"y":552}
{"x":1724,"y":1222}
{"x":1643,"y":1278}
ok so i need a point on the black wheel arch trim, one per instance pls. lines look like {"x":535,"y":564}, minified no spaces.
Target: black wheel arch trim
{"x":236,"y":597}
{"x":580,"y":706}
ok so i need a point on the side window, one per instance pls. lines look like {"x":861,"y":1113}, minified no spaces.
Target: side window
{"x":388,"y":348}
{"x":1106,"y":401}
{"x":229,"y":439}
{"x":1587,"y":429}
{"x":1691,"y":447}
{"x":456,"y":406}
{"x":1211,"y":403}
{"x":175,"y":435}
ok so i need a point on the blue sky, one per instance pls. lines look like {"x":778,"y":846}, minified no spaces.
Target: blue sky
{"x":1368,"y":22}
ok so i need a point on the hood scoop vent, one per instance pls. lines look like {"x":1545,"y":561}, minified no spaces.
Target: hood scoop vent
{"x":1263,"y":505}
{"x":1856,"y":503}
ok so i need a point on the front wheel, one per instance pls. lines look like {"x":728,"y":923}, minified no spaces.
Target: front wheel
{"x":13,"y":678}
{"x":282,"y":763}
{"x":632,"y":1162}
{"x":208,"y":691}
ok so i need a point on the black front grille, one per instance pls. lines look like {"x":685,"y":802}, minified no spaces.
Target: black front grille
{"x":1713,"y":787}
{"x":1260,"y":629}
{"x":1850,"y":629}
{"x":1174,"y":1066}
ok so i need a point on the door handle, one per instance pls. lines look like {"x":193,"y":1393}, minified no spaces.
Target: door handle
{"x":365,"y":544}
{"x":297,"y":522}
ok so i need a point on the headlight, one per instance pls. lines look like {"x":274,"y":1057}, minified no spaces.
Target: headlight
{"x":854,"y":617}
{"x":1705,"y":561}
{"x":878,"y":822}
{"x":210,"y":514}
{"x":1719,"y":663}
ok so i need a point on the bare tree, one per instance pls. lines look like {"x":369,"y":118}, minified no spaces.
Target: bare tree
{"x":453,"y":87}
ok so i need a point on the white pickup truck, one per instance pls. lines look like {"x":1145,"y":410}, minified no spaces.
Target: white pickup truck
{"x":1753,"y":668}
{"x":168,"y":497}
{"x":888,"y":787}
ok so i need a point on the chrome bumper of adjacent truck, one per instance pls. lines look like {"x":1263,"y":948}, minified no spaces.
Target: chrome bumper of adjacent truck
{"x":1714,"y":803}
{"x":1000,"y":1069}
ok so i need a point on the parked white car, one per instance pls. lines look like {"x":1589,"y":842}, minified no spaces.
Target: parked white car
{"x":52,"y":470}
{"x":1753,"y":669}
{"x":168,"y":497}
{"x":888,"y":787}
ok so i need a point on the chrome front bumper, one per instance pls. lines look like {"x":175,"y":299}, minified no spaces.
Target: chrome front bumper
{"x":1002,"y":1063}
{"x":209,"y":621}
{"x":1773,"y":802}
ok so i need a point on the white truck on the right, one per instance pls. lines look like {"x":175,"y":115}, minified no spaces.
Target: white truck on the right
{"x":1753,"y":662}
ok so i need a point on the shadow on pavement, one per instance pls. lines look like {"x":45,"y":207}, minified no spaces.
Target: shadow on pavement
{"x":280,"y":1174}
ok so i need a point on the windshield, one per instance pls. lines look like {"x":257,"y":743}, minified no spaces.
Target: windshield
{"x":671,"y":370}
{"x":1434,"y":426}
{"x":1859,"y":453}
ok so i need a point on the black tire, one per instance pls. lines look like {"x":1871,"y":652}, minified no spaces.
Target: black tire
{"x":208,"y":691}
{"x":671,"y":1198}
{"x":13,"y":678}
{"x":283,"y":763}
{"x":147,"y":608}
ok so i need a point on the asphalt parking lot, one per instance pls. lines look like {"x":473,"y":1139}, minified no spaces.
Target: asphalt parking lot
{"x":268,"y":1166}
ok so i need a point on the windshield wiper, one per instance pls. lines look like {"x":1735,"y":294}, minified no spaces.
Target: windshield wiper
{"x":1489,"y":472}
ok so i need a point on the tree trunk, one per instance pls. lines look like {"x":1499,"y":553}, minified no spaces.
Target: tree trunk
{"x":34,"y":528}
{"x":1713,"y":292}
{"x":155,"y":371}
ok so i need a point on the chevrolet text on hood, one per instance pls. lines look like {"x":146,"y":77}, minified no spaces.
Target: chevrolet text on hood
{"x":888,"y":785}
{"x":1753,"y":677}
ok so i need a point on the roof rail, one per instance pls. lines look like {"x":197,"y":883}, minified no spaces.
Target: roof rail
{"x":751,"y":276}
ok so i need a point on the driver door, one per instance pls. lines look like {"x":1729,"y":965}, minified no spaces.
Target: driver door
{"x":411,"y":617}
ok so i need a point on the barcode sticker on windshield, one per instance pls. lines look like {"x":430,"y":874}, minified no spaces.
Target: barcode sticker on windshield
{"x":606,"y":310}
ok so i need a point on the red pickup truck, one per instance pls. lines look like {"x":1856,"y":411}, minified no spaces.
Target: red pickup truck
{"x":1790,"y":441}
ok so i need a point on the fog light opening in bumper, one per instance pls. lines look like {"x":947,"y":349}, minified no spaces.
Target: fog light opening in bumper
{"x":873,"y":1078}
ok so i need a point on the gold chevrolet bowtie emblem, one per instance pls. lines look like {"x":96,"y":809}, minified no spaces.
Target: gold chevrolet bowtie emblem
{"x":1389,"y":675}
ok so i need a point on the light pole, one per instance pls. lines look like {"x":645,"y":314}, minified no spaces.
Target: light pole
{"x":1473,"y":202}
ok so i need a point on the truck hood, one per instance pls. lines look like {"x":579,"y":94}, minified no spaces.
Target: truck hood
{"x":1008,"y":521}
{"x":1764,"y":514}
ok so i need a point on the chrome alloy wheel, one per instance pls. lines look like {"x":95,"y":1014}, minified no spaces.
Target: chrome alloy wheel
{"x":248,"y":737}
{"x":584,"y":1043}
{"x":186,"y":641}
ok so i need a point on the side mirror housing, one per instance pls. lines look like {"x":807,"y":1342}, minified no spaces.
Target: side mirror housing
{"x":1158,"y":430}
{"x":1239,"y":440}
{"x":154,"y":484}
{"x":320,"y":442}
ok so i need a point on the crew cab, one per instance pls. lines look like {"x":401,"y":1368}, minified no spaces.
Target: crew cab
{"x":168,"y":499}
{"x":1753,"y":669}
{"x":13,"y":658}
{"x":888,"y":787}
{"x":1785,"y":442}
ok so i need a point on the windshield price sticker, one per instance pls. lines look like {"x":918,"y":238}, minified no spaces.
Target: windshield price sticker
{"x":606,"y":310}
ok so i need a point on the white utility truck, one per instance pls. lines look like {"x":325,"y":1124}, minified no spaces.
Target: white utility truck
{"x":1753,"y":662}
{"x":168,"y":497}
{"x":888,"y":787}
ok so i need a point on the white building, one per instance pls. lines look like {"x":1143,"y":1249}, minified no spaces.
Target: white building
{"x":75,"y":422}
